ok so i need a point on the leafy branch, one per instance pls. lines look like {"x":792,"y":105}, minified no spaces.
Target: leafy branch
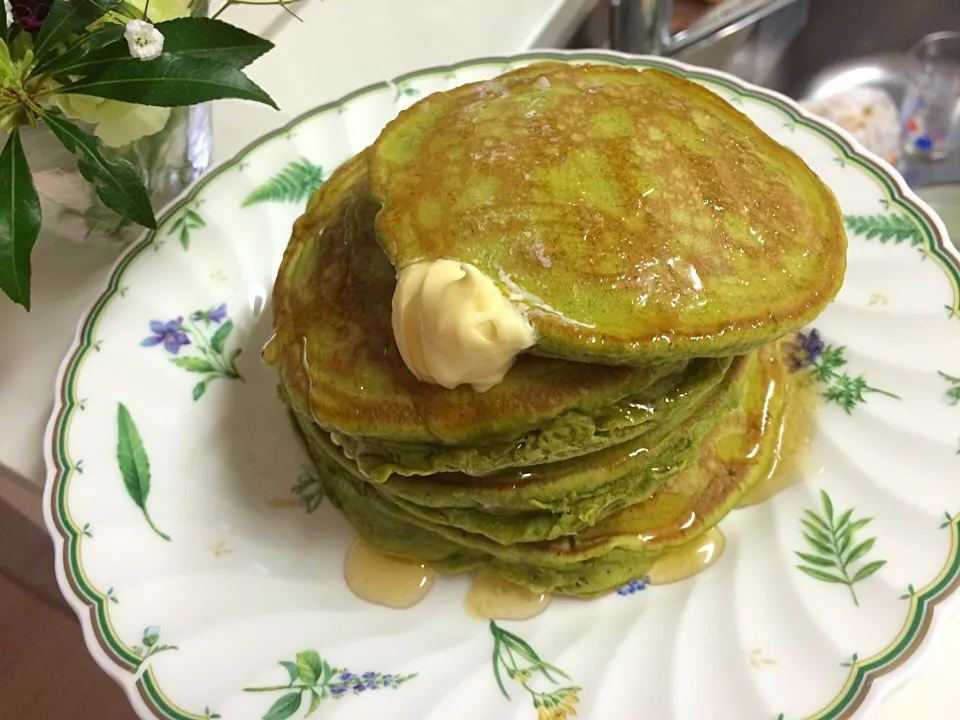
{"x":894,"y":227}
{"x":92,"y":48}
{"x":310,"y":491}
{"x":313,"y":679}
{"x":521,"y":663}
{"x":835,"y":549}
{"x":150,"y":645}
{"x":842,"y":388}
{"x":295,"y":183}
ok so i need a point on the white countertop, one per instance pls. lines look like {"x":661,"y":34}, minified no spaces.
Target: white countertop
{"x":340,"y":45}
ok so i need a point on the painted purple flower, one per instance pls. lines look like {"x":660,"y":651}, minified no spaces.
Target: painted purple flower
{"x":369,"y":675}
{"x":171,"y":334}
{"x":215,"y":315}
{"x":30,"y":13}
{"x":348,"y":676}
{"x":634,"y":586}
{"x":338,"y":691}
{"x":806,"y":350}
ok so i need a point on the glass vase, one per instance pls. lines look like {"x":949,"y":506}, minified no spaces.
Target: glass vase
{"x":170,"y":160}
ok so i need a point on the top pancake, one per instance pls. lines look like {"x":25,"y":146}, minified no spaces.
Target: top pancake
{"x":339,"y":364}
{"x":637,"y":214}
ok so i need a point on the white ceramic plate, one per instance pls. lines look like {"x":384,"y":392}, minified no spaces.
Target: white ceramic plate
{"x":215,"y":589}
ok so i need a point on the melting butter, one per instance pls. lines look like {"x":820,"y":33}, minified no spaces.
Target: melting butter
{"x":385,"y":580}
{"x":688,"y":560}
{"x":493,"y":598}
{"x":454,"y":327}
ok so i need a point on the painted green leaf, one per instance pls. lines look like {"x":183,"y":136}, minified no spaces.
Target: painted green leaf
{"x":291,"y":669}
{"x":895,"y":226}
{"x":310,"y":667}
{"x":19,"y":220}
{"x":860,"y":524}
{"x":67,"y":17}
{"x":817,"y":560}
{"x":295,"y":183}
{"x":860,"y":550}
{"x":170,"y":81}
{"x":314,"y":702}
{"x":118,"y":184}
{"x":284,"y":707}
{"x":817,"y":520}
{"x":132,"y":458}
{"x":843,"y":520}
{"x":821,"y":575}
{"x":151,"y":635}
{"x":818,"y":545}
{"x":868,"y":570}
{"x":220,"y":336}
{"x":816,"y":531}
{"x":827,"y":505}
{"x":192,"y":364}
{"x":134,"y":464}
{"x":200,"y":388}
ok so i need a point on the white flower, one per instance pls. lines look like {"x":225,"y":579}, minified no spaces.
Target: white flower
{"x":143,"y":39}
{"x":117,"y":123}
{"x":8,"y":11}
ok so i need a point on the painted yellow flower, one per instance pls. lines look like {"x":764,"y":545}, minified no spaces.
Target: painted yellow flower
{"x":566,"y":708}
{"x":117,"y":123}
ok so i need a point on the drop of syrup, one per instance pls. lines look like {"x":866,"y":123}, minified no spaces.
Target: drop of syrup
{"x":384,"y":580}
{"x":688,"y":560}
{"x":493,"y":598}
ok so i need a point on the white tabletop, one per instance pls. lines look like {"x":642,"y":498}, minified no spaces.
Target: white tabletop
{"x":340,"y":45}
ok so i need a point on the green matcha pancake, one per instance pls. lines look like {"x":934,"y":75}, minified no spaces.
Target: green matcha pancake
{"x":621,"y":546}
{"x":340,"y":368}
{"x":635,"y":214}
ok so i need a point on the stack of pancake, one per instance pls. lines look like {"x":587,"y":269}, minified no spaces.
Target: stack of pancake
{"x":661,"y":246}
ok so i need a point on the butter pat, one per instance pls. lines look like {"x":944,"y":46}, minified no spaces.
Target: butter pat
{"x":453,"y":326}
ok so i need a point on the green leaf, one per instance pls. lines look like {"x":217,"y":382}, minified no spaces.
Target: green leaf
{"x":843,"y":520}
{"x":817,"y":560}
{"x":284,"y":707}
{"x":200,"y":388}
{"x":310,"y":667}
{"x":193,"y":364}
{"x":295,"y":183}
{"x":73,"y":58}
{"x":132,"y":458}
{"x":868,"y":570}
{"x":821,"y":575}
{"x":291,"y":669}
{"x":220,"y":336}
{"x":860,"y":550}
{"x":119,"y":185}
{"x":170,"y":81}
{"x":327,"y":672}
{"x":190,"y":38}
{"x":816,"y":531}
{"x":854,"y":526}
{"x":151,"y":635}
{"x":67,"y":17}
{"x":827,"y":505}
{"x":819,"y":522}
{"x":819,"y":546}
{"x":314,"y":702}
{"x":19,"y":220}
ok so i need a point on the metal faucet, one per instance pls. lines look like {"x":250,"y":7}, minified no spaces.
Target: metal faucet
{"x":642,"y":27}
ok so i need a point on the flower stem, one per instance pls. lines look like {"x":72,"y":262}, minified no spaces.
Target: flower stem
{"x":276,"y":688}
{"x":154,"y":527}
{"x":884,"y":392}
